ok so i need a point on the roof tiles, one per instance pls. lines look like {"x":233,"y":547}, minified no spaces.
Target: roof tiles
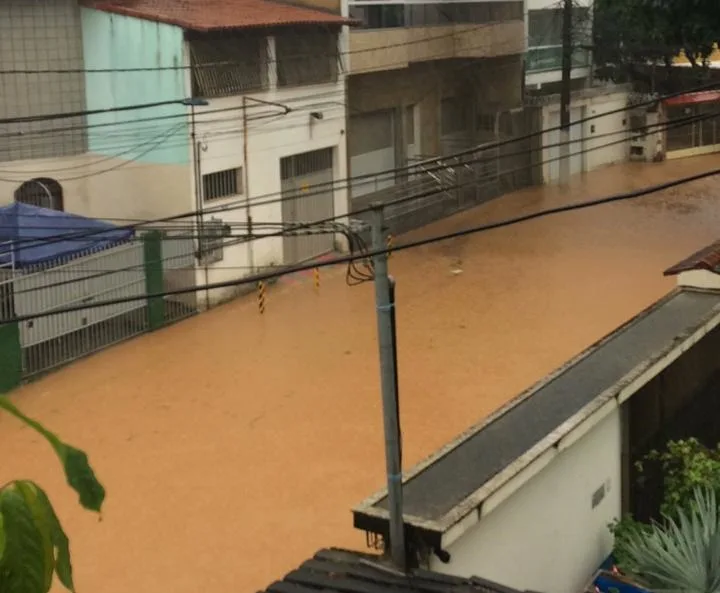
{"x":213,"y":15}
{"x":707,"y":258}
{"x":341,"y":571}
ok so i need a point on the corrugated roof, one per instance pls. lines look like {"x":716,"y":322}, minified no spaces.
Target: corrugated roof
{"x":707,"y":258}
{"x":342,"y":571}
{"x":212,"y":15}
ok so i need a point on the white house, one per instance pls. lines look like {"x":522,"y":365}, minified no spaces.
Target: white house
{"x":220,"y":110}
{"x":526,"y":496}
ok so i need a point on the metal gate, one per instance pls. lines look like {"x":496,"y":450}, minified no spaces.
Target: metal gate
{"x":577,"y":156}
{"x":307,"y":191}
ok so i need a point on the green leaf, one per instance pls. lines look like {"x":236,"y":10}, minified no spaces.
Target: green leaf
{"x":78,"y":472}
{"x":23,"y":562}
{"x":2,"y":538}
{"x":63,"y":565}
{"x":41,"y":512}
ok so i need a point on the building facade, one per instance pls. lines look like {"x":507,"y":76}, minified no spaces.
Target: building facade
{"x":424,"y":80}
{"x":222,"y":113}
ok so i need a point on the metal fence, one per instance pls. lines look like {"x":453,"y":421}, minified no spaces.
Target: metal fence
{"x":437,"y":187}
{"x":128,"y":274}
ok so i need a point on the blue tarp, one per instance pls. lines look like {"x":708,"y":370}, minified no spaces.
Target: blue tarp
{"x":30,"y":235}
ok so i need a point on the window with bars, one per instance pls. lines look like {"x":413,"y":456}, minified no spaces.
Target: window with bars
{"x":222,"y":184}
{"x":43,"y":192}
{"x":212,"y":237}
{"x":310,"y":57}
{"x":225,"y":64}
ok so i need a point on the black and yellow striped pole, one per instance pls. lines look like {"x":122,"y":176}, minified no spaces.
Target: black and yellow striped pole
{"x":261,"y":297}
{"x":390,"y":243}
{"x":316,"y":278}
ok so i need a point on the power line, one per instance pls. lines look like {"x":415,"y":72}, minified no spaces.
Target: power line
{"x":255,"y":278}
{"x":433,"y":191}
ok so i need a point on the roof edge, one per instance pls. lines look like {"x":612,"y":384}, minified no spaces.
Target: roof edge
{"x":707,"y":258}
{"x":109,"y":7}
{"x":514,"y":402}
{"x":586,"y":418}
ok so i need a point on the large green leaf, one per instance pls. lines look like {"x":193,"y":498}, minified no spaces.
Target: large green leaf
{"x":23,"y":563}
{"x":63,"y":566}
{"x":78,"y":472}
{"x":41,"y":512}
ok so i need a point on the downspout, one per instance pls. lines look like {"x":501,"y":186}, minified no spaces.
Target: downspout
{"x":246,"y":176}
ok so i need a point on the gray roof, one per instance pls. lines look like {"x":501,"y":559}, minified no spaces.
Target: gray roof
{"x":440,"y":484}
{"x":342,"y":571}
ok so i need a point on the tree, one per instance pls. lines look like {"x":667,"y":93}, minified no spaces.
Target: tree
{"x":33,"y":544}
{"x":632,"y":37}
{"x":683,"y":554}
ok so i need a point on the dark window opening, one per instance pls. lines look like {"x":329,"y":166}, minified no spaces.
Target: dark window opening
{"x":42,"y":192}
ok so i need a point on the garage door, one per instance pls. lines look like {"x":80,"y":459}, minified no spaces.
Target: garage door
{"x":307,"y":197}
{"x":371,"y":144}
{"x":577,"y":158}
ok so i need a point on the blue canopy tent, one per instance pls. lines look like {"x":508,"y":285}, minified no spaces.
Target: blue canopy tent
{"x":30,"y":235}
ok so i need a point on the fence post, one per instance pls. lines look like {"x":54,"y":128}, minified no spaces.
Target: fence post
{"x":154,"y":284}
{"x":10,"y":356}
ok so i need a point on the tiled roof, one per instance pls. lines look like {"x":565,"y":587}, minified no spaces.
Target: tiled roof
{"x":341,"y":571}
{"x":705,"y":259}
{"x":211,"y":15}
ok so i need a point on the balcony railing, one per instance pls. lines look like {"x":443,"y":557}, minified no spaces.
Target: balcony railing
{"x":549,"y":57}
{"x":398,"y":14}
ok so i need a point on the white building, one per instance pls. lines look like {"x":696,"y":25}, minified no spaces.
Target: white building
{"x":271,"y":121}
{"x":526,"y":496}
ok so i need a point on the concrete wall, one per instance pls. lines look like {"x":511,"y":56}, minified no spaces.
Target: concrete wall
{"x":392,"y":49}
{"x":548,"y":536}
{"x":605,"y":138}
{"x":493,"y":82}
{"x":41,"y":35}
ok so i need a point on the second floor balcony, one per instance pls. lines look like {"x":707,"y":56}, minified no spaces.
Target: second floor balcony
{"x":394,"y":35}
{"x":549,"y":57}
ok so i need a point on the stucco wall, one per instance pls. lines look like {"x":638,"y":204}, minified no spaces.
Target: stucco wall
{"x":605,"y":138}
{"x":538,"y":539}
{"x":271,"y":136}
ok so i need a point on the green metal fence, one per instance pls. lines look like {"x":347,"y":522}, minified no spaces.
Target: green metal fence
{"x":136,"y":274}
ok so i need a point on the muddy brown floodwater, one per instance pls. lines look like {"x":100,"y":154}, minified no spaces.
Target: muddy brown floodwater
{"x":233,"y":445}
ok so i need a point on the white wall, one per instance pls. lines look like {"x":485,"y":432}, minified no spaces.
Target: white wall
{"x":105,"y":187}
{"x":546,"y":536}
{"x":605,"y":138}
{"x":271,"y":136}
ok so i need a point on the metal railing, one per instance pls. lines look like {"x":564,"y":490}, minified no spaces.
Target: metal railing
{"x":155,"y":262}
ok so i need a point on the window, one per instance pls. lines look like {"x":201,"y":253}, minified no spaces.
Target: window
{"x":212,"y":235}
{"x":222,"y":184}
{"x":43,"y":192}
{"x":228,"y":63}
{"x":310,"y":57}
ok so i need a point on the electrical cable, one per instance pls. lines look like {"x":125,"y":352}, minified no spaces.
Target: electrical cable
{"x":265,"y":276}
{"x":18,"y":245}
{"x":354,"y":242}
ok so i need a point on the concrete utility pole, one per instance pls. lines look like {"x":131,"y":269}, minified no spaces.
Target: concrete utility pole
{"x":388,"y":381}
{"x":567,"y":52}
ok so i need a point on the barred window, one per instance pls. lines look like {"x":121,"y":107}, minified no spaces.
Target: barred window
{"x":225,"y":64}
{"x":309,"y":57}
{"x":222,"y":184}
{"x":41,"y":191}
{"x":212,"y":235}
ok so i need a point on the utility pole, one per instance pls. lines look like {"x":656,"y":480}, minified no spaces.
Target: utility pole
{"x":567,"y":52}
{"x":388,"y":381}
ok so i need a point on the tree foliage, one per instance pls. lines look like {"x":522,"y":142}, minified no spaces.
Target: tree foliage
{"x":632,"y":35}
{"x":33,"y":544}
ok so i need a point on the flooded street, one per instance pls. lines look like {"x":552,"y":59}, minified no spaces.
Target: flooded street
{"x":233,"y":445}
